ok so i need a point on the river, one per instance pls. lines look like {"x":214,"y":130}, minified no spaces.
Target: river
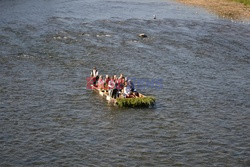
{"x":49,"y":118}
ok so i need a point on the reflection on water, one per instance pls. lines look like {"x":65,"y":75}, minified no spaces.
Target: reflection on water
{"x":48,"y":117}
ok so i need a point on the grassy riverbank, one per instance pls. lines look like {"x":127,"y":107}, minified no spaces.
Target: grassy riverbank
{"x":231,"y":9}
{"x":245,"y":2}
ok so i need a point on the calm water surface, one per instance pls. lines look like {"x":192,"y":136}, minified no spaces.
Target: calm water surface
{"x":49,"y":118}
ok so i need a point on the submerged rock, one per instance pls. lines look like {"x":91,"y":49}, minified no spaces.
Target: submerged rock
{"x":143,"y":35}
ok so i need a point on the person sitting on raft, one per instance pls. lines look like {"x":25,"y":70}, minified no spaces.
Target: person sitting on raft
{"x":115,"y":92}
{"x":131,"y":85}
{"x":111,"y":85}
{"x":106,"y":82}
{"x":115,"y":78}
{"x":94,"y":75}
{"x":120,"y":83}
{"x":133,"y":93}
{"x":100,"y":83}
{"x":126,"y":90}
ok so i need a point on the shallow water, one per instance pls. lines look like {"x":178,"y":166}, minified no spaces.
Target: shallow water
{"x":49,"y":118}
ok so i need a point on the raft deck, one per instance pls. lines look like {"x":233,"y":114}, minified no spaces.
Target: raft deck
{"x":141,"y":101}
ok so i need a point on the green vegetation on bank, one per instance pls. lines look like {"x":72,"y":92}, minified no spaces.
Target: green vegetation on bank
{"x":136,"y":102}
{"x":246,"y":2}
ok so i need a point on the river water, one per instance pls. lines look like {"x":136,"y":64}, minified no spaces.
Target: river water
{"x":49,"y":118}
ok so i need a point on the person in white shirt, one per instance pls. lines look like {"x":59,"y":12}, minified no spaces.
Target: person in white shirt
{"x":126,"y":90}
{"x":94,"y":74}
{"x":111,"y":85}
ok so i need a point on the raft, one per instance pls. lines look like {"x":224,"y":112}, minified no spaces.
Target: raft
{"x":135,"y":102}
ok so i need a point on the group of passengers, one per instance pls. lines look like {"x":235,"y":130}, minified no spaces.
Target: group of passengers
{"x":116,"y":86}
